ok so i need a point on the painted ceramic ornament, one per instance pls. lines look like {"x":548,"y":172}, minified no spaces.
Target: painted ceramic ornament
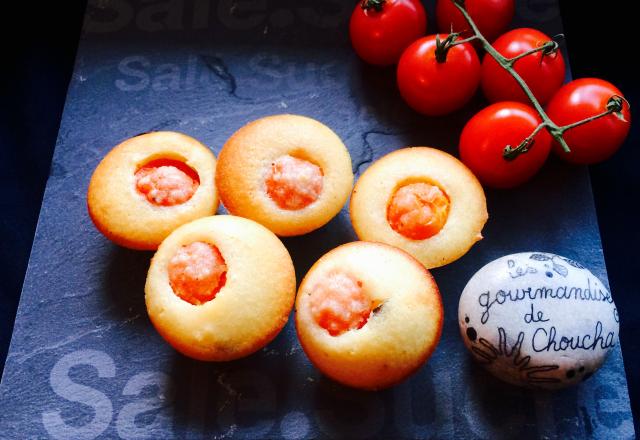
{"x":538,"y":320}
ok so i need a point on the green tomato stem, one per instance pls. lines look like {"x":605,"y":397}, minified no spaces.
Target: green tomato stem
{"x":614,"y":106}
{"x":547,"y":48}
{"x":466,"y":40}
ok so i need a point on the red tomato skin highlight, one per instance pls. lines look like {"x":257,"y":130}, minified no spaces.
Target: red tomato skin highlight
{"x":434,"y":88}
{"x":597,"y":140}
{"x":543,"y":74}
{"x":491,"y":16}
{"x":486,"y":135}
{"x":379,"y":38}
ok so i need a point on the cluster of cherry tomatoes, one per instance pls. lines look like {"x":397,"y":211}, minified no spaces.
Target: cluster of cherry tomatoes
{"x":439,"y":74}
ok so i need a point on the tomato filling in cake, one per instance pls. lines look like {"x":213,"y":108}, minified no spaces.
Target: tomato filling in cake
{"x":197,"y":272}
{"x":293,"y":183}
{"x":418,"y":210}
{"x":167,"y":182}
{"x":338,"y":304}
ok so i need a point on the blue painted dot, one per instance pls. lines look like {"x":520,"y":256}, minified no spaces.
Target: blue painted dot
{"x":549,"y":274}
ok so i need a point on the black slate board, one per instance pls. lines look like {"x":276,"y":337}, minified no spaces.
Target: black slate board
{"x":84,"y":360}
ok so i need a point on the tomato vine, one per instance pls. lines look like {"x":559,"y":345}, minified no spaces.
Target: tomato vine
{"x":614,"y":106}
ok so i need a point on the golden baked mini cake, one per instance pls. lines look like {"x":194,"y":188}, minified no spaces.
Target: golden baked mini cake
{"x":220,"y":288}
{"x":368,"y":315}
{"x":149,"y":185}
{"x":422,"y":200}
{"x":287,"y":172}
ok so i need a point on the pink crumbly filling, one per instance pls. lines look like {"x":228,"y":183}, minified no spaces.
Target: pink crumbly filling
{"x":418,"y":211}
{"x":339,"y":304}
{"x":165,"y":185}
{"x":197,"y":272}
{"x":293,"y":183}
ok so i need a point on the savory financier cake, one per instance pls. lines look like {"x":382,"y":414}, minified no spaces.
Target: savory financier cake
{"x":149,"y":185}
{"x":422,"y":200}
{"x":287,"y":172}
{"x":368,"y":315}
{"x":220,"y":288}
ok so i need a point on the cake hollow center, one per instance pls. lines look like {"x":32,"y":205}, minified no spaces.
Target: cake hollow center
{"x":338,"y":303}
{"x":293,"y":183}
{"x":166,"y":182}
{"x":197,"y":272}
{"x":418,"y":210}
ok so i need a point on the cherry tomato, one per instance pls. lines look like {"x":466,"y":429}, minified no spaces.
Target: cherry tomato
{"x":594,"y":141}
{"x":436,"y":88}
{"x":490,"y":131}
{"x":544,"y":74}
{"x":381,"y":29}
{"x":491,"y":16}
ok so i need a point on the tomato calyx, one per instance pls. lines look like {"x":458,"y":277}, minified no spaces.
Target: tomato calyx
{"x":511,"y":153}
{"x":551,"y":47}
{"x":376,"y":5}
{"x":615,"y":105}
{"x":443,"y":46}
